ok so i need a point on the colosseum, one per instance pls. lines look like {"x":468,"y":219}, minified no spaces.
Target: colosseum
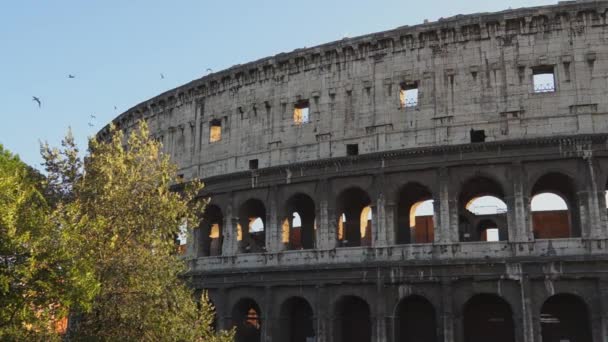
{"x":383,"y":187}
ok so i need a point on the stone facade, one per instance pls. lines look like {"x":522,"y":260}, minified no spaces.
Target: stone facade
{"x":479,"y":124}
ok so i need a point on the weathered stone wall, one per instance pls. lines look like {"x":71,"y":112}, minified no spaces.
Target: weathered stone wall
{"x":472,"y":72}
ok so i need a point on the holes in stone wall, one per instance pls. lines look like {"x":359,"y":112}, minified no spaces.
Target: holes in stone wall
{"x":253,"y":164}
{"x":482,"y":211}
{"x":408,"y":95}
{"x":301,"y":112}
{"x":415,"y":222}
{"x":355,"y":220}
{"x":352,"y":149}
{"x":251,"y":227}
{"x":543,"y":79}
{"x":477,"y":135}
{"x":215,"y":131}
{"x":553,"y":207}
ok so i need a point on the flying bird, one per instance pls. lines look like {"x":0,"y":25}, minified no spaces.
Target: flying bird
{"x":71,"y":76}
{"x":115,"y":108}
{"x":35,"y":99}
{"x":209,"y":70}
{"x":93,"y":116}
{"x":91,"y":125}
{"x":162,"y":77}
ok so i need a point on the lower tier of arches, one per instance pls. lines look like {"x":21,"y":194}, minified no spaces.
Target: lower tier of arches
{"x":535,"y":301}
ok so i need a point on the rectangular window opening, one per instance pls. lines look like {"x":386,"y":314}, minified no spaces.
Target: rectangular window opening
{"x":215,"y":131}
{"x":253,"y":164}
{"x":543,"y":79}
{"x":301,"y":112}
{"x":408,"y":95}
{"x":478,"y":135}
{"x":352,"y":149}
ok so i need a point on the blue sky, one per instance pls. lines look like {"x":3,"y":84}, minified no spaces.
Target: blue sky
{"x":117,"y":50}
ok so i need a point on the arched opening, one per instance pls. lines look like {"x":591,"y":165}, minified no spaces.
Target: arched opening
{"x":564,"y":317}
{"x":246,"y":317}
{"x":481,"y":201}
{"x":251,"y":232}
{"x":299,"y":223}
{"x":415,"y":222}
{"x":210,"y":234}
{"x":352,"y":320}
{"x":415,"y":320}
{"x":355,"y":220}
{"x":553,"y":207}
{"x":488,"y":317}
{"x":297,"y":324}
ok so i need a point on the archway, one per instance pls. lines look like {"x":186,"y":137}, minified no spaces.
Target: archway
{"x":299,"y":223}
{"x":415,"y":221}
{"x":488,"y":230}
{"x":415,"y":320}
{"x":210,"y":234}
{"x":481,"y":201}
{"x":564,"y":317}
{"x":355,"y":218}
{"x":251,"y":232}
{"x":488,"y":317}
{"x":352,"y":320}
{"x":553,"y":207}
{"x":246,"y":317}
{"x":297,"y":324}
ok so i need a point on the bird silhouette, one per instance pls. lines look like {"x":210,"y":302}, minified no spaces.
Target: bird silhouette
{"x":91,"y":125}
{"x":71,"y":76}
{"x":93,"y":116}
{"x":115,"y":108}
{"x":209,"y":70}
{"x":162,"y":77}
{"x":35,"y":99}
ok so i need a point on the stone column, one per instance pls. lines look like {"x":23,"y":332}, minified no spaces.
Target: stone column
{"x":595,"y":211}
{"x":446,"y":211}
{"x":323,"y":326}
{"x":230,"y":245}
{"x":527,"y":311}
{"x":327,"y":221}
{"x":273,"y":229}
{"x":447,"y":312}
{"x":518,"y":206}
{"x":380,"y":225}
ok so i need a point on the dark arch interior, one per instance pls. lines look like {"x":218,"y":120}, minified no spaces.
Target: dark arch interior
{"x":353,"y":321}
{"x":488,"y":318}
{"x":351,"y":203}
{"x":252,"y":242}
{"x":301,"y":237}
{"x":415,"y":318}
{"x":556,"y":223}
{"x":246,"y":317}
{"x":211,"y":232}
{"x":468,"y":227}
{"x":565,"y":317}
{"x":297,"y":323}
{"x":420,"y":231}
{"x":483,"y":226}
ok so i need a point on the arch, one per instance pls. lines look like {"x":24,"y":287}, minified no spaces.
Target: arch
{"x":415,"y":320}
{"x":246,"y":317}
{"x":565,"y":317}
{"x":352,"y":320}
{"x":299,"y":222}
{"x":550,"y":224}
{"x":211,"y":234}
{"x":297,"y":320}
{"x":488,"y":317}
{"x":251,"y":232}
{"x":350,"y":205}
{"x":411,"y":228}
{"x":481,"y":200}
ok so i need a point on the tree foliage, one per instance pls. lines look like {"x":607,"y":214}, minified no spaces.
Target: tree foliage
{"x":117,"y":218}
{"x":34,"y":261}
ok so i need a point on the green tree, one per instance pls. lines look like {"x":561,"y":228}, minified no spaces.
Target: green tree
{"x":120,"y":203}
{"x":35,"y":291}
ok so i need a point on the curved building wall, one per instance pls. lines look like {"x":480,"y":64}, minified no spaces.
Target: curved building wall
{"x":356,"y":264}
